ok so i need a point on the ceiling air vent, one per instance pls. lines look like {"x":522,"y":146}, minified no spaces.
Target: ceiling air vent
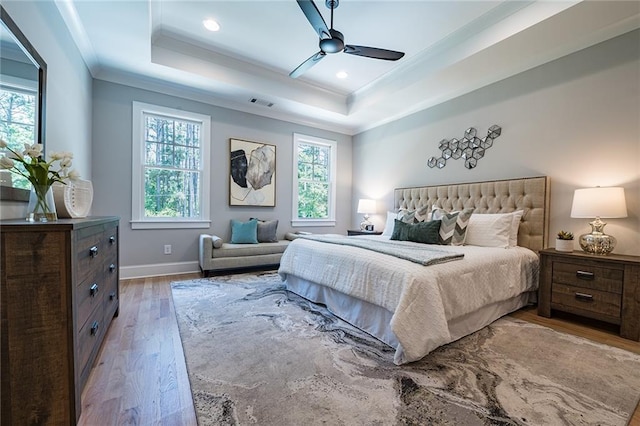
{"x":261,"y":102}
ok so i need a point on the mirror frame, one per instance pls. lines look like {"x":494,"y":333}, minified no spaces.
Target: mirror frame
{"x":17,"y":194}
{"x":38,"y":61}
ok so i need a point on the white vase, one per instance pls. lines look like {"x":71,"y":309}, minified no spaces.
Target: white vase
{"x":42,"y":207}
{"x":564,"y":245}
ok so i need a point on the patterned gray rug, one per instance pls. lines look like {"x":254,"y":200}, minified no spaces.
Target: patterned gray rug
{"x":257,"y":354}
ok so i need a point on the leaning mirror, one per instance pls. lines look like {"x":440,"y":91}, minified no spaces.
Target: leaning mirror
{"x":22,"y":94}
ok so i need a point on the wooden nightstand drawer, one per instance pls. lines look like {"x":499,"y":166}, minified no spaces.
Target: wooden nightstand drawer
{"x":588,"y":276}
{"x":606,"y":288}
{"x":587,"y":301}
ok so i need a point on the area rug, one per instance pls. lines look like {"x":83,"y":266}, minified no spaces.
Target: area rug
{"x":258,"y":354}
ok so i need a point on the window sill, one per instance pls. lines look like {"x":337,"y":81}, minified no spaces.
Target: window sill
{"x":312,"y":222}
{"x":170,"y":224}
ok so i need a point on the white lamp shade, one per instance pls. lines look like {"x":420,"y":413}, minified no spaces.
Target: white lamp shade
{"x":599,"y":202}
{"x":366,"y":206}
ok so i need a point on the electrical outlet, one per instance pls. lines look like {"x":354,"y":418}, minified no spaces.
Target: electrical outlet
{"x":167,"y":249}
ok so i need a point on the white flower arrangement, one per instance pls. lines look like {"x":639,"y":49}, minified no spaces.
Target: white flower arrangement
{"x":38,"y":171}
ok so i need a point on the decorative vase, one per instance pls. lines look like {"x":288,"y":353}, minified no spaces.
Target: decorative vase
{"x":564,"y":245}
{"x":42,"y":207}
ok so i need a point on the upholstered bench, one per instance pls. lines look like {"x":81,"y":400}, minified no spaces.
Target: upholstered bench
{"x":216,"y":255}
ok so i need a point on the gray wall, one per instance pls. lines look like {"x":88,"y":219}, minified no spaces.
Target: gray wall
{"x":576,"y":119}
{"x":68,"y":100}
{"x":68,"y":97}
{"x":112,"y":134}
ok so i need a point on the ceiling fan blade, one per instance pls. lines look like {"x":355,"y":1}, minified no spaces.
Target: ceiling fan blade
{"x":304,"y":67}
{"x":314,"y":17}
{"x":373,"y":52}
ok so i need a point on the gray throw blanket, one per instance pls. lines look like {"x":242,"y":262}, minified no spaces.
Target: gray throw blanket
{"x":424,"y":255}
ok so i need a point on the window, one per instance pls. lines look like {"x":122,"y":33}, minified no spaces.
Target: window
{"x":170,"y":168}
{"x":314,"y":181}
{"x":17,"y":121}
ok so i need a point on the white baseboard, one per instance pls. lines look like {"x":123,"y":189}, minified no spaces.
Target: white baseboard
{"x":143,"y":271}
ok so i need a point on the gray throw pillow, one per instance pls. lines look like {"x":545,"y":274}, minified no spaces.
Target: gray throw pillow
{"x":267,"y":231}
{"x":453,"y":229}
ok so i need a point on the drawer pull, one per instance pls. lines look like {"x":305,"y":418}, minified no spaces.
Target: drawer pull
{"x":93,"y":251}
{"x":112,"y":267}
{"x":584,"y":297}
{"x":112,"y":295}
{"x":94,"y":328}
{"x":112,"y":240}
{"x":93,"y":290}
{"x":584,"y":275}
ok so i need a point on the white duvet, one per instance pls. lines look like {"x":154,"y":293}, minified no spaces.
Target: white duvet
{"x":422,"y":298}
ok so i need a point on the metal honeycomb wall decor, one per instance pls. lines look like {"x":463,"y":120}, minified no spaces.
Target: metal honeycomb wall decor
{"x":471,"y":148}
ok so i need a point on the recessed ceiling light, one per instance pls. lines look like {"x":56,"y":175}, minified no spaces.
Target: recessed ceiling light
{"x":342,"y":74}
{"x":211,"y":25}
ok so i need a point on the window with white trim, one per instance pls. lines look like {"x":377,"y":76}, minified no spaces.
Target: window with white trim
{"x":170,"y":168}
{"x":314,"y":181}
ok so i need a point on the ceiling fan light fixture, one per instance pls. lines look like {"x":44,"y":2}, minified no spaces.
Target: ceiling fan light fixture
{"x":211,"y":24}
{"x":332,"y":41}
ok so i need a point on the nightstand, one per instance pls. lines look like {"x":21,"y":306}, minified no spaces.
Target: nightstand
{"x":352,"y":232}
{"x":605,"y":288}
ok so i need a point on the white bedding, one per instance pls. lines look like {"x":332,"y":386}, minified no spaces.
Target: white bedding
{"x":422,"y":299}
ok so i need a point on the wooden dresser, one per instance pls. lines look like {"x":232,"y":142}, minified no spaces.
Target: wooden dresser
{"x":59,"y":294}
{"x":605,"y":288}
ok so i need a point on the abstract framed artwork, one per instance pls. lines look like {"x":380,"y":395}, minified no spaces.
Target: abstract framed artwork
{"x":252,"y":180}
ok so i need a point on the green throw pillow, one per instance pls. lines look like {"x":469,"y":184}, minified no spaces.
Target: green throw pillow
{"x":422,"y":232}
{"x":244,"y":232}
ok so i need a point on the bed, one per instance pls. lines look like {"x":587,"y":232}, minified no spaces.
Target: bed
{"x":415,"y":308}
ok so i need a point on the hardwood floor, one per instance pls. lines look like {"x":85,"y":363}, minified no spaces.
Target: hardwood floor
{"x":140,"y":377}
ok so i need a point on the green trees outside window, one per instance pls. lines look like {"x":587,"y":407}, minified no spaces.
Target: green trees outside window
{"x":172,"y":168}
{"x":313,"y":181}
{"x":17,"y":123}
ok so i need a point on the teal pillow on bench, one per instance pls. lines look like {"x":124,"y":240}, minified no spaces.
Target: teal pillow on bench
{"x":244,"y":232}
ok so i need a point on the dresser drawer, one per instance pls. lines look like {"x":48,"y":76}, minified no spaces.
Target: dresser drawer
{"x":89,"y":294}
{"x":588,"y":276}
{"x":89,"y":336}
{"x":111,"y":295}
{"x":89,"y":256}
{"x":586,"y":301}
{"x":110,"y":244}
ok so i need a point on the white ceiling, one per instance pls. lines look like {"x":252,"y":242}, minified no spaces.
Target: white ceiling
{"x":451,"y":48}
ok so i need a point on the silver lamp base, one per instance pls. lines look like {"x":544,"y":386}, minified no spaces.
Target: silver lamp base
{"x":365,"y":225}
{"x":597,"y":242}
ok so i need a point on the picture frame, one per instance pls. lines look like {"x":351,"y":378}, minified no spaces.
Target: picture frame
{"x":252,"y":173}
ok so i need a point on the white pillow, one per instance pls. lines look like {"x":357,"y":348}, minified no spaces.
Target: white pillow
{"x":515,"y":225}
{"x":389,"y":224}
{"x":489,"y":230}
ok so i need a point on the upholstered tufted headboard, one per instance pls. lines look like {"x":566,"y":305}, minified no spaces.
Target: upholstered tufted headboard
{"x":501,"y":196}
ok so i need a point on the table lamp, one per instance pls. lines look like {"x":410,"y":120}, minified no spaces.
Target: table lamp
{"x":366,"y":206}
{"x":598,"y":202}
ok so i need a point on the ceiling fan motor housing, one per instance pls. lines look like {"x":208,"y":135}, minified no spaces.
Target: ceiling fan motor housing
{"x":331,"y":4}
{"x":334,"y":44}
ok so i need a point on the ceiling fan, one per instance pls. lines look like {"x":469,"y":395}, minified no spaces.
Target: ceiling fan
{"x":332,"y":41}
